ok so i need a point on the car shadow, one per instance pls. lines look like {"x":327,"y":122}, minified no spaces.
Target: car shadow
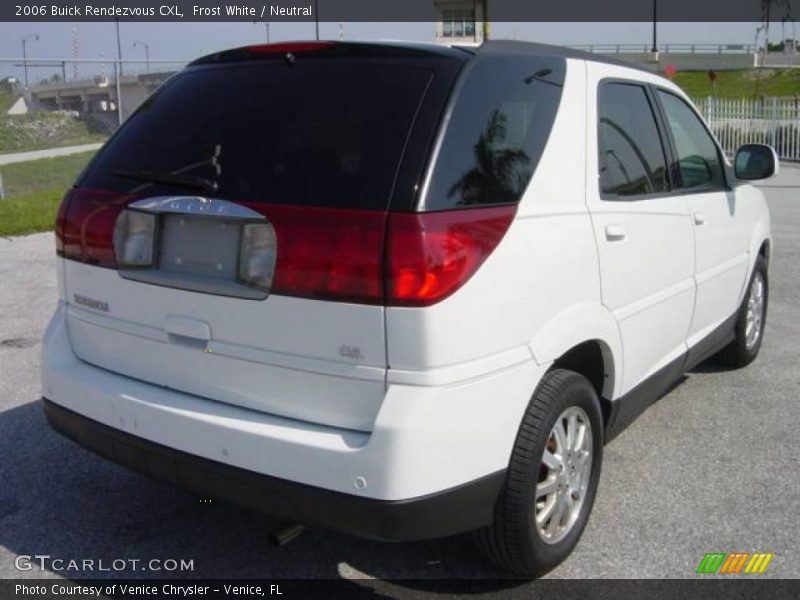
{"x":60,"y":500}
{"x":710,"y":366}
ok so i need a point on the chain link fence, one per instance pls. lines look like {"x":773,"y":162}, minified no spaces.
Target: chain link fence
{"x":54,"y":103}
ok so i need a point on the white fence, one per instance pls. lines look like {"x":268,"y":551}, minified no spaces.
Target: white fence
{"x":773,"y":121}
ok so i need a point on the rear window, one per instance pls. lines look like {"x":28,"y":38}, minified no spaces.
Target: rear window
{"x":321,"y":133}
{"x":500,"y":123}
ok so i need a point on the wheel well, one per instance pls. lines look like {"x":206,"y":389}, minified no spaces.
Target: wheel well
{"x":593,"y":360}
{"x":764,"y":251}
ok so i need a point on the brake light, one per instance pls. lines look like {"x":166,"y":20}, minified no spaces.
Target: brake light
{"x":85,"y":225}
{"x":337,"y":254}
{"x":61,"y":223}
{"x":285,"y":47}
{"x":431,"y":255}
{"x":345,"y":255}
{"x":325,"y":253}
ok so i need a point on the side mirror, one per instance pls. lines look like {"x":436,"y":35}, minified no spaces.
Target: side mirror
{"x":755,"y":161}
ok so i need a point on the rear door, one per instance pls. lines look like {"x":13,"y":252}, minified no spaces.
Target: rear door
{"x":310,"y":146}
{"x":642,"y":229}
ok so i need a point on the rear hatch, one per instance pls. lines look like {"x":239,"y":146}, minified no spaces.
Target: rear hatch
{"x":228,"y":241}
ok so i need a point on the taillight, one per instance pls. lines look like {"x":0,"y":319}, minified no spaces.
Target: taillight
{"x":344,"y":255}
{"x":61,"y":223}
{"x":85,"y":225}
{"x":431,"y":255}
{"x":329,"y":254}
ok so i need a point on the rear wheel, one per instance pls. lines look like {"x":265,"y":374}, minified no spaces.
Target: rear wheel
{"x":751,"y":320}
{"x":552,"y":478}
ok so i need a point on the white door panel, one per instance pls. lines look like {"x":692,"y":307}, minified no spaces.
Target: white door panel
{"x":656,"y":254}
{"x":721,"y":239}
{"x":644,"y":235}
{"x":655,"y":335}
{"x":646,"y":280}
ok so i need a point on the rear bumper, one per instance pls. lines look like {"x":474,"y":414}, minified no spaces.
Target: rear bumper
{"x":455,"y":510}
{"x":434,"y":456}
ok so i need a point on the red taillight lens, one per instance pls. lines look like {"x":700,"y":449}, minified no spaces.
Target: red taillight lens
{"x":85,"y":225}
{"x":325,"y":253}
{"x":431,"y":255}
{"x":333,"y":254}
{"x":61,"y":223}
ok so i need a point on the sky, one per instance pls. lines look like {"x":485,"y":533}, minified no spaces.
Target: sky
{"x":184,"y":41}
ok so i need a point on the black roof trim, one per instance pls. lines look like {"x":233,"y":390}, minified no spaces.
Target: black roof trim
{"x":516,"y":47}
{"x":332,"y":49}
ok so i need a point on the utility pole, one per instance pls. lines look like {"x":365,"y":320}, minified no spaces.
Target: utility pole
{"x":654,"y":49}
{"x":35,"y":36}
{"x":146,"y":52}
{"x":266,"y":27}
{"x":119,"y":49}
{"x":485,"y":4}
{"x":316,"y":16}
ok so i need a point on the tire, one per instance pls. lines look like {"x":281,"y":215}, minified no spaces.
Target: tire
{"x":744,"y":349}
{"x":514,"y":541}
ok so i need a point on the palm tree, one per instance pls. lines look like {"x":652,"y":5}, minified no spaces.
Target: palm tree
{"x":499,"y":174}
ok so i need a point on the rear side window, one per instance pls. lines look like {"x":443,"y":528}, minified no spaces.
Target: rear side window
{"x":322,"y":133}
{"x":699,"y":162}
{"x":500,"y":122}
{"x":630,"y":154}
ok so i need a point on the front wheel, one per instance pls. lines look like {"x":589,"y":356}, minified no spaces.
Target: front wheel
{"x":552,"y":478}
{"x":751,"y":320}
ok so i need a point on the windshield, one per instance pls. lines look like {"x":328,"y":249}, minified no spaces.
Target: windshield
{"x":322,"y":133}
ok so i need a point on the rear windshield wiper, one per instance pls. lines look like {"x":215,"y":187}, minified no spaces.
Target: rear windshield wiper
{"x":191,"y":182}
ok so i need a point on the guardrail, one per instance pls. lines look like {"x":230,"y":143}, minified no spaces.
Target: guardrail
{"x":669,"y":48}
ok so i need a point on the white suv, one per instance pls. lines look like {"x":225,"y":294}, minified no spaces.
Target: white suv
{"x":400,"y":291}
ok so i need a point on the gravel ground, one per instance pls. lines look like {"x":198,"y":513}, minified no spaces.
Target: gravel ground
{"x":713,"y":466}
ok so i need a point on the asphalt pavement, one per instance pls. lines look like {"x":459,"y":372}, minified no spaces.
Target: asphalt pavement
{"x":713,"y":466}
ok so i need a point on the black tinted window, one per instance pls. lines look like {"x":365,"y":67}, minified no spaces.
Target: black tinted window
{"x":699,"y":163}
{"x":630,"y":154}
{"x":327,"y":133}
{"x":499,"y":126}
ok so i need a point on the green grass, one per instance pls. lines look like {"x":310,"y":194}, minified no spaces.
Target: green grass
{"x":45,"y":174}
{"x":749,"y":83}
{"x":29,"y":213}
{"x":42,"y":129}
{"x":34,"y":189}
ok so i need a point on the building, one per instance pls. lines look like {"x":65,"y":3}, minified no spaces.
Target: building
{"x":461,"y":21}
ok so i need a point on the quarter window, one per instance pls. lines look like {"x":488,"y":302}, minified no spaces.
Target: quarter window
{"x":497,"y":131}
{"x":630,"y":154}
{"x":698,"y":159}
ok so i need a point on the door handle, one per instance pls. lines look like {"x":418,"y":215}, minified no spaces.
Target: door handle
{"x":699,"y":218}
{"x":615,"y":233}
{"x":186,"y":327}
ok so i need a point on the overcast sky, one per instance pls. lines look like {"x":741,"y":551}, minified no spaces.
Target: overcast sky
{"x":185,"y":41}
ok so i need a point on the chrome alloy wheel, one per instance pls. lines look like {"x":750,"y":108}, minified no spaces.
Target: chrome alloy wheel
{"x":563,"y":475}
{"x":755,"y":311}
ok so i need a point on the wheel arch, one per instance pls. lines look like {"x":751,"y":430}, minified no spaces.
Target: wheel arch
{"x":593,"y":360}
{"x":765,"y":249}
{"x":585,"y":339}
